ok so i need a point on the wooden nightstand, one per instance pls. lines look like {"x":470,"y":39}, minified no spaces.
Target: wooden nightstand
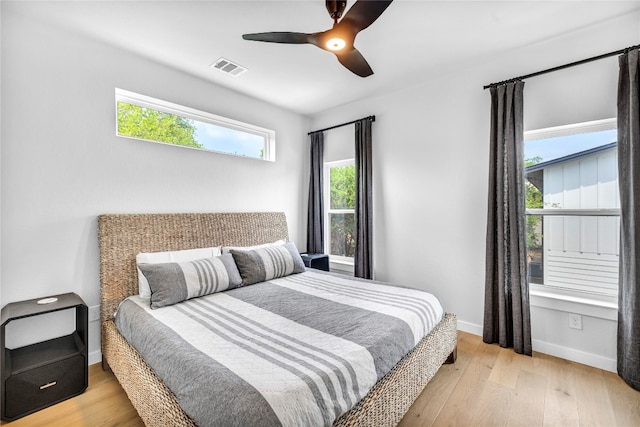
{"x":42,"y":374}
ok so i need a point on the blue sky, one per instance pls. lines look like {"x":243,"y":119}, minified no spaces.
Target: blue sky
{"x":217,"y":138}
{"x":554,"y":148}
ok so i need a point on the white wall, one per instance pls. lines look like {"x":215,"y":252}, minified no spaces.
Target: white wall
{"x":339,"y":144}
{"x":431,"y":154}
{"x":62,"y":164}
{"x":0,"y":153}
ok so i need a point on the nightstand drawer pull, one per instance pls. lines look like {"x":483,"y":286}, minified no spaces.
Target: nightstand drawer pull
{"x":51,"y":384}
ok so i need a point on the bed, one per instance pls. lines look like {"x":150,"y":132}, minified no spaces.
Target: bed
{"x":122,"y":237}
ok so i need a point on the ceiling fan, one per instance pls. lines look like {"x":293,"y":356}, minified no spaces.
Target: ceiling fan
{"x":339,"y":39}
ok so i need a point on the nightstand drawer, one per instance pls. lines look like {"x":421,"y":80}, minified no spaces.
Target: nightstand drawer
{"x":37,"y":388}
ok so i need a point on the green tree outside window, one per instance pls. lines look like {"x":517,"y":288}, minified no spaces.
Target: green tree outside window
{"x":144,"y":123}
{"x":342,"y":192}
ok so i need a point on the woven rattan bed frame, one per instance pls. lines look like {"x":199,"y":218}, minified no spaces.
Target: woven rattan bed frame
{"x":121,"y":237}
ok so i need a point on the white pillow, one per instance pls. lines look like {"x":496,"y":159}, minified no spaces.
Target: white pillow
{"x":171,"y":256}
{"x":228,"y":249}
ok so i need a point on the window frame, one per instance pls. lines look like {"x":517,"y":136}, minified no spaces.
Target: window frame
{"x":336,"y":260}
{"x":557,"y":297}
{"x":144,"y":101}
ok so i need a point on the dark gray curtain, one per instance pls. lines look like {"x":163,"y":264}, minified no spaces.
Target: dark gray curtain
{"x":506,"y":307}
{"x":629,"y":181}
{"x":363,"y":262}
{"x":315,"y":212}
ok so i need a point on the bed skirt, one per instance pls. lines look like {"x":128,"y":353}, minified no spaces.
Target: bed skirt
{"x":385,"y":404}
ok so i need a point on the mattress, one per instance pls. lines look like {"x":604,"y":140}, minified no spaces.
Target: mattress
{"x":299,"y":350}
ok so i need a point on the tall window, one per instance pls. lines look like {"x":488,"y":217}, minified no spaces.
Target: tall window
{"x":150,"y":119}
{"x":340,"y":215}
{"x":573,"y":209}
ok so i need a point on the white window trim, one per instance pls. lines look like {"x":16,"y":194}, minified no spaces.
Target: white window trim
{"x":545,"y":296}
{"x":572,"y":129}
{"x":340,"y":265}
{"x":268,"y":135}
{"x":598,"y":306}
{"x":338,"y":262}
{"x":574,"y":212}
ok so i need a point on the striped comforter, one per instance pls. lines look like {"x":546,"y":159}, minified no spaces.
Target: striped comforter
{"x":295,"y":351}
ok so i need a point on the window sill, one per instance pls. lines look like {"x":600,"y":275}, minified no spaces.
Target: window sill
{"x":340,"y":265}
{"x":603,"y":308}
{"x":341,"y":261}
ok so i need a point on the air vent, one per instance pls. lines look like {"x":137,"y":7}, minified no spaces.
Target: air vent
{"x":228,"y":67}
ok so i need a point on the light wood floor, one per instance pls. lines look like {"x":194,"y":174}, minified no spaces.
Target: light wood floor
{"x":487,"y":386}
{"x":493,"y":386}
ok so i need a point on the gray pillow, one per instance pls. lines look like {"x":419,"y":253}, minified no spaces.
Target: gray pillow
{"x":268,"y":263}
{"x":174,"y":282}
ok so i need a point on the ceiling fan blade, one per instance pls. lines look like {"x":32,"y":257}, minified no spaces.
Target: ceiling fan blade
{"x":338,"y":39}
{"x":280,"y":37}
{"x":364,"y":13}
{"x":355,"y":62}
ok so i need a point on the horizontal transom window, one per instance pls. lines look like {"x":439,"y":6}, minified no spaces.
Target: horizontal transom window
{"x":150,"y":119}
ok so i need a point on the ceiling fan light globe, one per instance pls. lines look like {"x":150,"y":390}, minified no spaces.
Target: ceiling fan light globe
{"x":336,"y":44}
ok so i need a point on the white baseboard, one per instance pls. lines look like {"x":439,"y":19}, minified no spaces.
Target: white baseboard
{"x":95,"y":357}
{"x":574,"y":355}
{"x":471,"y":328}
{"x":556,"y":350}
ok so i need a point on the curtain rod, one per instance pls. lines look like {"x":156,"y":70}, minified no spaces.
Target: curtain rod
{"x":561,"y":67}
{"x":372,"y":118}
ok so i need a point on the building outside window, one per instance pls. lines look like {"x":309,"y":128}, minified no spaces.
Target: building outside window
{"x":339,"y":178}
{"x":573,"y":210}
{"x":144,"y":118}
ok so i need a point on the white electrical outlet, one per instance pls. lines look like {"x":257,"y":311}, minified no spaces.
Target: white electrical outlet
{"x":94,"y":313}
{"x":575,"y":321}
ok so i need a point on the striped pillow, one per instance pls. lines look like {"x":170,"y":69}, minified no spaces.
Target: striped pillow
{"x":170,"y":256}
{"x":268,"y":263}
{"x":174,"y":282}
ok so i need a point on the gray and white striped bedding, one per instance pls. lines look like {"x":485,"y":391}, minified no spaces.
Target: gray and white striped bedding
{"x":295,"y":351}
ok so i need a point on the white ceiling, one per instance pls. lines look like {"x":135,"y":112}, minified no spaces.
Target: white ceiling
{"x":408,"y":42}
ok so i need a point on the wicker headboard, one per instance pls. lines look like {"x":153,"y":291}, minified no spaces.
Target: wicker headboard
{"x":122,"y":237}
